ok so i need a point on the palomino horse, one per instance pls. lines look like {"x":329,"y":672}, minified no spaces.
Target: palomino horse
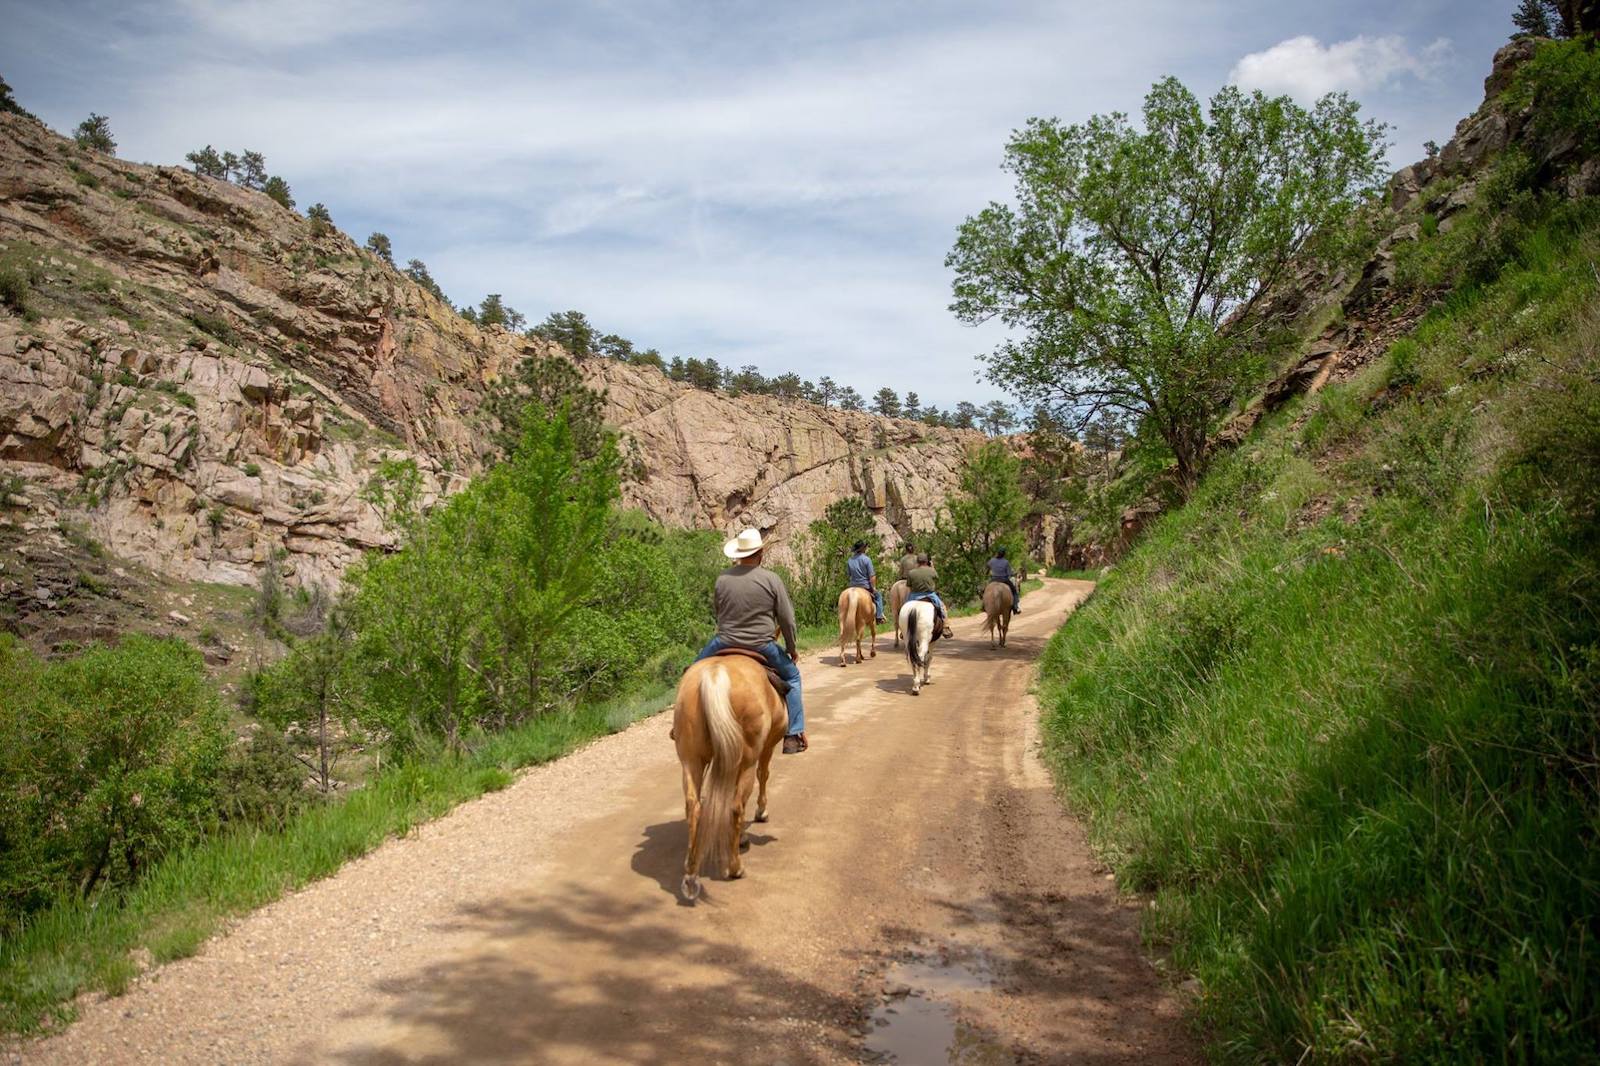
{"x":898,"y":592}
{"x":916,"y":617}
{"x":726,"y":722}
{"x":857,"y":614}
{"x":997,"y":611}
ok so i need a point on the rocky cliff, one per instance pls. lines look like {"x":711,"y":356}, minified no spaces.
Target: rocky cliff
{"x":203,"y":381}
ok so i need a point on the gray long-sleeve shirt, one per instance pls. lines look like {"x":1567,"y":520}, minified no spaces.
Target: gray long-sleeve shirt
{"x":751,"y":602}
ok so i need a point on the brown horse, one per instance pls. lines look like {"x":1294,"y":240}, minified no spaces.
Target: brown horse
{"x":726,"y":722}
{"x":997,"y":611}
{"x":898,"y":593}
{"x":857,"y":614}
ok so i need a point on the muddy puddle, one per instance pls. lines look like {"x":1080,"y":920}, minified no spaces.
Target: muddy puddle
{"x":918,"y":1019}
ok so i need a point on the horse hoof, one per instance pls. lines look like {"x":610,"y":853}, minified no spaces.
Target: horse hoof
{"x":691,"y":888}
{"x":761,"y":816}
{"x":734,"y":875}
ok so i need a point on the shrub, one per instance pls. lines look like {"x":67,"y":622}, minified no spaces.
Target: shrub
{"x":261,"y":782}
{"x":252,"y":469}
{"x":321,"y":220}
{"x":1562,"y":84}
{"x":108,"y":760}
{"x":14,"y":290}
{"x":213,"y":325}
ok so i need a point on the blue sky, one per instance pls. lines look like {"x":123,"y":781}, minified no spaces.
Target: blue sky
{"x":774,"y":184}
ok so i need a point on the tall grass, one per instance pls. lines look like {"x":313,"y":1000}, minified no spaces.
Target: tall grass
{"x":1339,"y":714}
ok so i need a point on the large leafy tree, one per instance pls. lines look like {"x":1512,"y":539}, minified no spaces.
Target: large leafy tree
{"x":464,"y":627}
{"x":1133,"y":265}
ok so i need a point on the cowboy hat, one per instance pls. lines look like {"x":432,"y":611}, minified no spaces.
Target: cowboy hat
{"x":747,"y":543}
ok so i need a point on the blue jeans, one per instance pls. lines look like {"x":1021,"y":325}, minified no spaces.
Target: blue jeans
{"x":938,"y":604}
{"x":779,"y":660}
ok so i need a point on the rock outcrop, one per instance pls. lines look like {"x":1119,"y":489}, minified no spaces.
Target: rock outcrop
{"x":206,"y":382}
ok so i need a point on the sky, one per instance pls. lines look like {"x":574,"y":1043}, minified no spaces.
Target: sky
{"x":767,"y":184}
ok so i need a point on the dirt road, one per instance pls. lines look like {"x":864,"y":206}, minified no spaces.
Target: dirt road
{"x":918,"y":893}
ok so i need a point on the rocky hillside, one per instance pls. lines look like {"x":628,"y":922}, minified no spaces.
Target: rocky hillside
{"x":203,"y":382}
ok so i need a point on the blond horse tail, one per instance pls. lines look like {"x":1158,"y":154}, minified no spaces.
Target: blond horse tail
{"x":722,"y":776}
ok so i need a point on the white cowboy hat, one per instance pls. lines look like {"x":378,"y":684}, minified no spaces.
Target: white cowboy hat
{"x":747,"y":543}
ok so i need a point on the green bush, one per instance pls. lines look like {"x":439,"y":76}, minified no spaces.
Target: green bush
{"x":109,"y":760}
{"x":1562,"y":84}
{"x":261,"y":783}
{"x":14,"y":290}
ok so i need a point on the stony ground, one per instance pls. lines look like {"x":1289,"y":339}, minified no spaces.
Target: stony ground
{"x":918,"y":892}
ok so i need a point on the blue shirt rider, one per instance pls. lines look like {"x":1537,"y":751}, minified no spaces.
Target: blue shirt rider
{"x":862,"y":575}
{"x":1000,"y":570}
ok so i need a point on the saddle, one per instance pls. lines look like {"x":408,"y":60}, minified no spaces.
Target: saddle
{"x":779,"y":685}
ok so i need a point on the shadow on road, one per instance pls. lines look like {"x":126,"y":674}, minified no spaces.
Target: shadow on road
{"x":659,"y":855}
{"x":590,"y":979}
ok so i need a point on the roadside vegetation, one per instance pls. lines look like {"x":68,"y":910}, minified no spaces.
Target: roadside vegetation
{"x":1337,"y":715}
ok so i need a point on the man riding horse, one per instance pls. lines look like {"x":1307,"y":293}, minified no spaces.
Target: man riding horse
{"x":751,"y":603}
{"x":1000,"y":570}
{"x":923,"y":581}
{"x":862,"y":575}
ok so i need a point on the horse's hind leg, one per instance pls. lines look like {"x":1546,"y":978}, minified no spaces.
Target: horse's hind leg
{"x":872,"y":628}
{"x":763,"y":771}
{"x":741,"y":796}
{"x":693,"y":774}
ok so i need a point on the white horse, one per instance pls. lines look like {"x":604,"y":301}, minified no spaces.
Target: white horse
{"x":916,"y":618}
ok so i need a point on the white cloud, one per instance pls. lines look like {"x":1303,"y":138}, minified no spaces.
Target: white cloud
{"x":1305,"y":68}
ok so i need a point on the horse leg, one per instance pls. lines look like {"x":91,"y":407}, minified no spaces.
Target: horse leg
{"x":872,"y":622}
{"x":763,"y":771}
{"x":741,"y":796}
{"x":693,"y":774}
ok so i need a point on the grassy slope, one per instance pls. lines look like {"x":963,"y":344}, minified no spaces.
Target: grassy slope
{"x":1339,"y":713}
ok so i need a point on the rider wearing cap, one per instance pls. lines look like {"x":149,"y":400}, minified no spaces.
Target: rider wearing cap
{"x":1000,"y":570}
{"x":751,"y":603}
{"x":922,"y":581}
{"x":862,"y":575}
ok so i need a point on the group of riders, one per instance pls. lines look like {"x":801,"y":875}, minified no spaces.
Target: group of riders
{"x":752,"y":605}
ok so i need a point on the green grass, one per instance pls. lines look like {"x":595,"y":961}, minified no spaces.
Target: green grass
{"x":1338,"y":714}
{"x":76,"y":947}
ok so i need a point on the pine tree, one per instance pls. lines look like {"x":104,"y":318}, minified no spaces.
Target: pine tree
{"x":207,"y":163}
{"x":8,"y":103}
{"x":321,"y":220}
{"x":378,"y":244}
{"x":886,"y":402}
{"x":278,"y":190}
{"x":913,"y":405}
{"x":94,"y":133}
{"x":252,"y":170}
{"x":1532,"y":18}
{"x":417,"y":271}
{"x":827,"y":391}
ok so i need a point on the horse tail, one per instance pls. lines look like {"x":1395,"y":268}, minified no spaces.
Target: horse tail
{"x":722,"y":776}
{"x":913,"y":645}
